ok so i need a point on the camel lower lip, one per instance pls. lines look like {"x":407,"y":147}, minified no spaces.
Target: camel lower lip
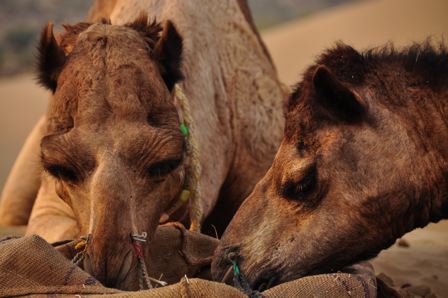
{"x":125,"y":268}
{"x":265,"y":283}
{"x":271,"y":282}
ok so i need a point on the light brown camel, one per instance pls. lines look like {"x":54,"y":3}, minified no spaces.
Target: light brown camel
{"x":113,"y":152}
{"x":363,"y":161}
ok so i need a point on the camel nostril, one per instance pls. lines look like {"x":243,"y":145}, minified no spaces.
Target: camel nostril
{"x":232,"y":257}
{"x":223,"y":262}
{"x":232,"y":267}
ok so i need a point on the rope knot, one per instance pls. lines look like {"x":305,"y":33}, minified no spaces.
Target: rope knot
{"x":81,"y":248}
{"x":138,"y":247}
{"x":139,"y":237}
{"x":137,"y":242}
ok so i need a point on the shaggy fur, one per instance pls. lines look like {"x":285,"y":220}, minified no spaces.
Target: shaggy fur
{"x":426,"y":62}
{"x":364,"y":160}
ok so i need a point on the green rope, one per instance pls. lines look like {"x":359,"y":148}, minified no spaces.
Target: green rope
{"x":240,"y":281}
{"x":236,"y":269}
{"x":183,"y":129}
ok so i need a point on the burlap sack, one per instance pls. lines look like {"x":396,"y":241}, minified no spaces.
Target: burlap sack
{"x":30,"y":266}
{"x":173,"y":253}
{"x":357,"y":281}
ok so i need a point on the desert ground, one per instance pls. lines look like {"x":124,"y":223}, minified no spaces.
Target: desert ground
{"x":293,"y":47}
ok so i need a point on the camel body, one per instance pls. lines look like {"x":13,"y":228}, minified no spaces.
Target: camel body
{"x":364,"y":160}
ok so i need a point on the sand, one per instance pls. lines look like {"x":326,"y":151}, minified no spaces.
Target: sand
{"x":22,"y":102}
{"x":424,"y":262}
{"x":366,"y":24}
{"x":293,"y":47}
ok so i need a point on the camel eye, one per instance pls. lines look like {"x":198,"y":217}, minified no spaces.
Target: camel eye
{"x":163,"y":168}
{"x":62,"y":172}
{"x":299,"y":190}
{"x":301,"y":146}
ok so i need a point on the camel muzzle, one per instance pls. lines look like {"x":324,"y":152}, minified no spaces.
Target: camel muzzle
{"x":110,"y":260}
{"x":110,"y":271}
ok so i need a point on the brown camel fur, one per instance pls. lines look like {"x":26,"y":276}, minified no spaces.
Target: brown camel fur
{"x":112,"y":148}
{"x":363,"y":161}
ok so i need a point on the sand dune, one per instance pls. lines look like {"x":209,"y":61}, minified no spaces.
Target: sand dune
{"x":293,"y":47}
{"x":22,"y":102}
{"x":424,"y":262}
{"x":372,"y":23}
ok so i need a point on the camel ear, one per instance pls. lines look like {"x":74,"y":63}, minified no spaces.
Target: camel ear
{"x":51,"y":59}
{"x":335,"y":99}
{"x":168,"y":52}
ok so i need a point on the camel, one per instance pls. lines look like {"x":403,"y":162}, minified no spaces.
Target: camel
{"x":363,"y":160}
{"x":168,"y":104}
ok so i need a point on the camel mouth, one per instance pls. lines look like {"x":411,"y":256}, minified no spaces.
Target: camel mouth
{"x":119,"y":280}
{"x":271,"y":277}
{"x":228,"y":268}
{"x":259,"y":282}
{"x":264,"y":283}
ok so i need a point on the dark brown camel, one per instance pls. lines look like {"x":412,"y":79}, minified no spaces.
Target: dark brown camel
{"x":364,"y":160}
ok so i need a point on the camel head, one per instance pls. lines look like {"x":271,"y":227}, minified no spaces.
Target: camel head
{"x":113,"y":144}
{"x":360,"y":164}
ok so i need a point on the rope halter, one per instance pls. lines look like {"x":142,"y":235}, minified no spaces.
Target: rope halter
{"x":191,"y":191}
{"x":144,"y":280}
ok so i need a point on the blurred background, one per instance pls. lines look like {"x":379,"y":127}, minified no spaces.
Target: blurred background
{"x":21,"y":21}
{"x":295,"y":32}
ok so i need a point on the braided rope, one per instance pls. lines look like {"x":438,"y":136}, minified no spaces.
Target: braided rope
{"x":192,"y":179}
{"x":144,"y":280}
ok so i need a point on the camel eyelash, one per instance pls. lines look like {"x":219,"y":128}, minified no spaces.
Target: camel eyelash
{"x":300,"y":190}
{"x":62,"y":172}
{"x":164,"y":167}
{"x":301,"y":146}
